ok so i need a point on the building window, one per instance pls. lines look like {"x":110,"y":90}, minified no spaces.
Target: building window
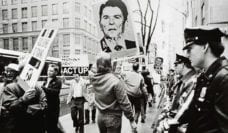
{"x":85,"y":24}
{"x":77,"y":39}
{"x":23,"y":1}
{"x":66,"y":52}
{"x":90,"y":29}
{"x":44,"y":10}
{"x":54,"y":9}
{"x":4,"y":14}
{"x":34,"y":40}
{"x":4,"y":2}
{"x":14,"y":13}
{"x":15,"y":44}
{"x":24,"y":43}
{"x":34,"y":11}
{"x":55,"y":53}
{"x":66,"y":40}
{"x":24,"y":12}
{"x":65,"y":22}
{"x":77,"y":51}
{"x":14,"y":27}
{"x":77,"y":7}
{"x":14,"y":2}
{"x":77,"y":22}
{"x":85,"y":11}
{"x":90,"y":14}
{"x":24,"y":26}
{"x":5,"y":28}
{"x":43,"y":23}
{"x":163,"y":26}
{"x":65,"y":7}
{"x":54,"y":20}
{"x":34,"y":25}
{"x":6,"y":43}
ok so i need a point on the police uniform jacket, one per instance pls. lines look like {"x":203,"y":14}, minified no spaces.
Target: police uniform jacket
{"x":208,"y":112}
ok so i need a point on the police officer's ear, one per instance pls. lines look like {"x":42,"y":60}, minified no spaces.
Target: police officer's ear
{"x":205,"y":48}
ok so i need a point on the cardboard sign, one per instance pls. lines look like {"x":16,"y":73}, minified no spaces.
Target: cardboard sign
{"x":75,"y":65}
{"x":37,"y":57}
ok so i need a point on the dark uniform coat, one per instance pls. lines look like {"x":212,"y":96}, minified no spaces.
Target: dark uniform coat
{"x":208,"y":112}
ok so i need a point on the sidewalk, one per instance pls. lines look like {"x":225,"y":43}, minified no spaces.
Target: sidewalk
{"x":67,"y":124}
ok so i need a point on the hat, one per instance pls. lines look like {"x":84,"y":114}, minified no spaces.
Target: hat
{"x":201,"y":36}
{"x":13,"y":66}
{"x":181,"y":59}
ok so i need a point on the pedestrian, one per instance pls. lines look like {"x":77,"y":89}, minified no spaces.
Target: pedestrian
{"x":76,"y":100}
{"x":52,"y":87}
{"x":110,"y":97}
{"x":207,"y":112}
{"x":135,"y":90}
{"x":90,"y":97}
{"x":21,"y":111}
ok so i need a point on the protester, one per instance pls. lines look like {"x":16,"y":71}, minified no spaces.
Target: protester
{"x":76,"y":100}
{"x":52,"y":88}
{"x":135,"y":90}
{"x":21,"y":111}
{"x":110,"y":97}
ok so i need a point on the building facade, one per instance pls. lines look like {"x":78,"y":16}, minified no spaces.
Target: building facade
{"x":22,"y":20}
{"x":210,"y":13}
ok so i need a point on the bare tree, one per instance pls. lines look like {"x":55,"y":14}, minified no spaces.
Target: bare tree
{"x":148,"y":22}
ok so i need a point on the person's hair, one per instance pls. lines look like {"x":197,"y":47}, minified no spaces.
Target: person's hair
{"x":216,"y":48}
{"x":115,"y":3}
{"x":135,"y":67}
{"x":104,"y":63}
{"x":56,"y":68}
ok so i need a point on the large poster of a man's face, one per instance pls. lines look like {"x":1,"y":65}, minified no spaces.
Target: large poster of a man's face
{"x":116,"y":32}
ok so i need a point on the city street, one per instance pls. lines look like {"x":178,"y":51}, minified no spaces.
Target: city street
{"x":93,"y":128}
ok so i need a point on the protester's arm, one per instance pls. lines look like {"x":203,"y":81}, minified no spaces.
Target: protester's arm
{"x":15,"y":104}
{"x":54,"y":89}
{"x":125,"y":104}
{"x":123,"y":100}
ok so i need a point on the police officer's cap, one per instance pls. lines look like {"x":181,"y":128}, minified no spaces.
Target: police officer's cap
{"x":201,"y":36}
{"x":181,"y":59}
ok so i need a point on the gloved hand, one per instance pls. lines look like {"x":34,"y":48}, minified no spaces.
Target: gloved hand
{"x":29,"y":95}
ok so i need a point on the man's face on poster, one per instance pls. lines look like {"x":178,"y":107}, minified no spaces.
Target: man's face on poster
{"x":112,"y":22}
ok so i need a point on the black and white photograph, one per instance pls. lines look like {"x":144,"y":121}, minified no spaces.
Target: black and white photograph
{"x":113,"y":66}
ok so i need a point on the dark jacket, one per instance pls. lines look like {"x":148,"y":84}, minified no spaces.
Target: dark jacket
{"x":110,"y":95}
{"x":208,"y":112}
{"x":18,"y":113}
{"x":52,"y":93}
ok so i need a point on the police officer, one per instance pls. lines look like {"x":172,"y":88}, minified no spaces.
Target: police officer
{"x":208,"y":111}
{"x":182,"y":88}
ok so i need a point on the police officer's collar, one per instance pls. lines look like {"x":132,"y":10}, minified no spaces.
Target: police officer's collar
{"x":212,"y":70}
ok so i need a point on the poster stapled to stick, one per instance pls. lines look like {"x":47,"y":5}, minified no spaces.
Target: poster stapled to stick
{"x":36,"y":60}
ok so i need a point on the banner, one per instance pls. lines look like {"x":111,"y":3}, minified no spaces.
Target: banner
{"x":78,"y":64}
{"x":115,"y":28}
{"x":36,"y":60}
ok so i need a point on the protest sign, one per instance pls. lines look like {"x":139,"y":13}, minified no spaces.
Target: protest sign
{"x":36,"y":59}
